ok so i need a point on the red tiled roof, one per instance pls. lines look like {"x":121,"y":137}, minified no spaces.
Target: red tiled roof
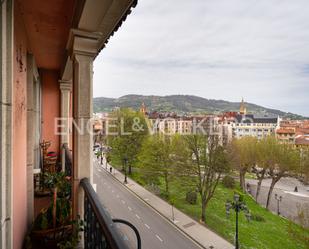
{"x":285,"y":131}
{"x":302,"y":140}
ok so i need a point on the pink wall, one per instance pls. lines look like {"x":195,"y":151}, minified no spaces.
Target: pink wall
{"x":19,"y":133}
{"x":50,"y":110}
{"x":50,"y":107}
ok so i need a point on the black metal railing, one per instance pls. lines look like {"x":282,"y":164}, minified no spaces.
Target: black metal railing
{"x":100,"y":231}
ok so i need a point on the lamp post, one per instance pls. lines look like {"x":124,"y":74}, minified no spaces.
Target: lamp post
{"x":278,"y":199}
{"x":125,"y":161}
{"x":238,"y":205}
{"x":101,"y":154}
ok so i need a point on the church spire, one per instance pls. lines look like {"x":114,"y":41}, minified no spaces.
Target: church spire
{"x":143,"y":108}
{"x":242,"y":109}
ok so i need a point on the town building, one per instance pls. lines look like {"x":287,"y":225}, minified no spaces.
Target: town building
{"x":293,"y":131}
{"x":253,"y":125}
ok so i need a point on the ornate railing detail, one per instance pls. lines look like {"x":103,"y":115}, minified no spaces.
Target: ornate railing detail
{"x":100,"y":231}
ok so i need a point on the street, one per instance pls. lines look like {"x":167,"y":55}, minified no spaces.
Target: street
{"x":291,"y":201}
{"x":155,"y":231}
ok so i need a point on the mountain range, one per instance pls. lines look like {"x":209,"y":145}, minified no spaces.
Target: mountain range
{"x":183,"y":104}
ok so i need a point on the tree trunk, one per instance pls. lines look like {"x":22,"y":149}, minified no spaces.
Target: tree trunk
{"x":203,"y":216}
{"x":271,"y":188}
{"x":242,"y":174}
{"x":258,"y":187}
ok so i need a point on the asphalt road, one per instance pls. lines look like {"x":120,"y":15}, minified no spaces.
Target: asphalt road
{"x":291,"y":201}
{"x":155,"y":231}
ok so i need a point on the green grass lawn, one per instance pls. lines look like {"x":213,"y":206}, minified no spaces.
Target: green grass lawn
{"x":269,"y":234}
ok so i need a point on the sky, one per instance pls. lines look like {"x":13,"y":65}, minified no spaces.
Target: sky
{"x":217,"y":49}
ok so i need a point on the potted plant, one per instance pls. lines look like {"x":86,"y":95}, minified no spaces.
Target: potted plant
{"x":54,"y":227}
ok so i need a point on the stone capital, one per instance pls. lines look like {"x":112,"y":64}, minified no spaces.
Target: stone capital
{"x":83,"y":42}
{"x":65,"y":85}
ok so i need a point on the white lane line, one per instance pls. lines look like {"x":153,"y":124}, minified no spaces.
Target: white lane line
{"x":158,"y":237}
{"x":147,"y":226}
{"x":138,"y":217}
{"x":123,"y":202}
{"x":130,"y":208}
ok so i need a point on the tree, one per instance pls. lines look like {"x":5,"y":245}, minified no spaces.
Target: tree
{"x":155,"y":158}
{"x":304,"y":164}
{"x":242,"y":154}
{"x":128,"y":131}
{"x":208,"y":161}
{"x":285,"y":158}
{"x":265,"y":157}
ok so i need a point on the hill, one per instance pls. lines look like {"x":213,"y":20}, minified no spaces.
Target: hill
{"x":183,"y":104}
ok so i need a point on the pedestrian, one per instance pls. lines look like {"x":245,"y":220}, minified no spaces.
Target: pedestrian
{"x":295,"y":189}
{"x":110,"y":169}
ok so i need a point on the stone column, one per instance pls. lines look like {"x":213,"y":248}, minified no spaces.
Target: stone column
{"x":65,"y":88}
{"x":30,"y":135}
{"x":83,"y":46}
{"x":6,"y":127}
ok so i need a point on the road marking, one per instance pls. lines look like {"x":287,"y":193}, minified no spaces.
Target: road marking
{"x":138,"y":217}
{"x":158,"y":237}
{"x":130,"y":208}
{"x":123,"y":202}
{"x":147,"y":226}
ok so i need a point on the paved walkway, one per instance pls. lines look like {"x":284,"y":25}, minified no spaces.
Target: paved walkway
{"x":197,"y":232}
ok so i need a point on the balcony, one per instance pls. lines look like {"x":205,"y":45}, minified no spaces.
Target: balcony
{"x":47,"y":53}
{"x":99,"y":229}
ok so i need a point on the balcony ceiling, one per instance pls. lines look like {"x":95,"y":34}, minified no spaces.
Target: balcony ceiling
{"x":47,"y":24}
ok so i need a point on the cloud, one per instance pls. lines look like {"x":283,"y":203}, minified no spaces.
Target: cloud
{"x":220,"y":49}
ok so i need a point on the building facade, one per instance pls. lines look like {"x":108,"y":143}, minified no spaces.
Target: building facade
{"x":47,"y":52}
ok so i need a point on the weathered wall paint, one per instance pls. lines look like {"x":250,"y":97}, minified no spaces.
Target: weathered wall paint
{"x":19,"y":132}
{"x":50,"y":107}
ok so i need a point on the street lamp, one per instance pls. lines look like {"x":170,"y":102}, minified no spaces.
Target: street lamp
{"x":278,"y":199}
{"x":238,"y":205}
{"x":125,"y":161}
{"x":101,"y":150}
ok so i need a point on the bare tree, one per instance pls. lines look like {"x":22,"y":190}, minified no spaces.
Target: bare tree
{"x":208,"y":162}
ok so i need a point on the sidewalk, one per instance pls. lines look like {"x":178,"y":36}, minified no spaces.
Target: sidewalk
{"x":197,"y":232}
